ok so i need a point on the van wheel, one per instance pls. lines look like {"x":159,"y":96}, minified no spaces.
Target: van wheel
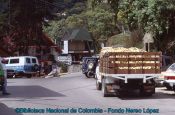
{"x":29,"y":75}
{"x":36,"y":67}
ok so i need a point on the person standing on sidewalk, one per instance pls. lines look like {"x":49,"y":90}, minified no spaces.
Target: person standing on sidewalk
{"x":4,"y":85}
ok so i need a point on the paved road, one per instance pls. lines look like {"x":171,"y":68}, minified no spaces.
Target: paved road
{"x":75,"y":91}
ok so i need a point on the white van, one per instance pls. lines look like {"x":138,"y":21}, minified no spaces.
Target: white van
{"x":23,"y":65}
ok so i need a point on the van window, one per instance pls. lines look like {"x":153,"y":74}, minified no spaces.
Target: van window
{"x":13,"y":61}
{"x":28,"y":60}
{"x":33,"y":60}
{"x":6,"y":61}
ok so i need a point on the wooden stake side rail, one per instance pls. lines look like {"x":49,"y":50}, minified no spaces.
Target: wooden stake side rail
{"x":131,"y":63}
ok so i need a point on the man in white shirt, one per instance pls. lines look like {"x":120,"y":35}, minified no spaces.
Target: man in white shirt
{"x":4,"y":88}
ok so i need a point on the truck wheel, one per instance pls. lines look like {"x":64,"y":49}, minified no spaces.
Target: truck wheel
{"x":98,"y":85}
{"x":89,"y":75}
{"x":1,"y":86}
{"x":168,"y":87}
{"x":9,"y":76}
{"x":104,"y":89}
{"x":144,"y":93}
{"x":86,"y":75}
{"x":174,"y":87}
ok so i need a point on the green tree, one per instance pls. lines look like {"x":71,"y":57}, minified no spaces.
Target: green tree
{"x":72,"y":17}
{"x":113,"y":3}
{"x":56,"y":29}
{"x":99,"y":21}
{"x":26,"y":19}
{"x":3,"y":18}
{"x":153,"y":16}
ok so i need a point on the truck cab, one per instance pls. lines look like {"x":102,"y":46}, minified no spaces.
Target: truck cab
{"x":89,"y":66}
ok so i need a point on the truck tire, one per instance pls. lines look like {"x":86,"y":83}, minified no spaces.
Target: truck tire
{"x":104,"y":89}
{"x":148,"y":94}
{"x":174,"y":87}
{"x":86,"y":75}
{"x":1,"y":85}
{"x":98,"y":85}
{"x":90,"y":75}
{"x":10,"y":76}
{"x":144,"y":93}
{"x":168,"y":87}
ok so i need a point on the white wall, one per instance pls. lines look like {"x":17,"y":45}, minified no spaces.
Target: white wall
{"x":65,"y":48}
{"x":55,"y":53}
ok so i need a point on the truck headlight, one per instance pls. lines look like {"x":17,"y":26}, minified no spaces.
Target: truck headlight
{"x":90,"y":65}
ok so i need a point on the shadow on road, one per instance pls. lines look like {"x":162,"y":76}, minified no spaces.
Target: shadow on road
{"x":4,"y":110}
{"x":31,"y":92}
{"x":158,"y":95}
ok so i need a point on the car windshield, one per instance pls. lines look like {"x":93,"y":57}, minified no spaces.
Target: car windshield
{"x":172,"y":67}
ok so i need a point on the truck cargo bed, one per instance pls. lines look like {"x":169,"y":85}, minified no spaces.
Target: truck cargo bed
{"x":131,"y":63}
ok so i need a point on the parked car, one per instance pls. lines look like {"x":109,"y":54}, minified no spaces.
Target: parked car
{"x":22,"y":65}
{"x":169,"y":77}
{"x":65,"y":58}
{"x":89,"y":66}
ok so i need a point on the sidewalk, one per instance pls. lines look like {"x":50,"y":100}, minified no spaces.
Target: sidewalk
{"x":68,"y":74}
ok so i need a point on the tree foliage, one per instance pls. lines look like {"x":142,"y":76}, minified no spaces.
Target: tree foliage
{"x":153,"y":16}
{"x":3,"y":18}
{"x":26,"y":19}
{"x":56,"y":29}
{"x":100,"y":23}
{"x":98,"y":20}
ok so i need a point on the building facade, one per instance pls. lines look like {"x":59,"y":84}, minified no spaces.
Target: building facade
{"x":78,"y":43}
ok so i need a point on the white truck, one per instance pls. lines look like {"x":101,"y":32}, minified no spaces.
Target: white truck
{"x":120,"y":71}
